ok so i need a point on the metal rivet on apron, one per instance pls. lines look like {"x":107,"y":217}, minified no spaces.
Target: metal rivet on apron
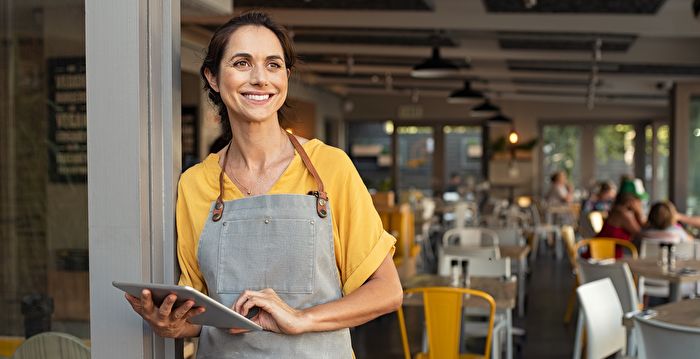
{"x":322,"y":202}
{"x":312,"y":222}
{"x":223,"y":224}
{"x":267,"y":221}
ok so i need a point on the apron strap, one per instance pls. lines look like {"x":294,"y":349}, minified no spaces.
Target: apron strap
{"x":320,"y":194}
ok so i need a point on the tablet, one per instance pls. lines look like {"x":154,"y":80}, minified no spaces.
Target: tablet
{"x":216,"y":314}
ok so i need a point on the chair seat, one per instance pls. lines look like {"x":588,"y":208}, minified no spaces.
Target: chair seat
{"x":461,"y":356}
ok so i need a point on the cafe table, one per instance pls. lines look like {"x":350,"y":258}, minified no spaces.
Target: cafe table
{"x":502,"y":290}
{"x":518,"y":254}
{"x":687,"y":271}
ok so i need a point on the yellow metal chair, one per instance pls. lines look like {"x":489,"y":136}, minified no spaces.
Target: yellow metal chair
{"x":604,"y":248}
{"x":569,"y":238}
{"x":443,"y":319}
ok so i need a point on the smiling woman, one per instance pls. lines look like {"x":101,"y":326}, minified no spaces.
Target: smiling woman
{"x":273,"y":223}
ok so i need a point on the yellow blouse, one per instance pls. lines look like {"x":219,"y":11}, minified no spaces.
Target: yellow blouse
{"x":361,"y":244}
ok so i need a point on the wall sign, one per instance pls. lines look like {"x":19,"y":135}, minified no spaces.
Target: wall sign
{"x":67,"y":120}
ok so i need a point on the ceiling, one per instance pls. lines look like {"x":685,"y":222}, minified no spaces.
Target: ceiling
{"x":529,"y":49}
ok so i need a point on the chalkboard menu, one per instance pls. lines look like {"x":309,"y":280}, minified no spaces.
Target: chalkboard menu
{"x":67,"y":120}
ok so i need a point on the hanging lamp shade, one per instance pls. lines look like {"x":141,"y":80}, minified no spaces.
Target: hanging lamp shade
{"x":499,"y":119}
{"x":435,"y":66}
{"x":486,"y":108}
{"x":465,"y":95}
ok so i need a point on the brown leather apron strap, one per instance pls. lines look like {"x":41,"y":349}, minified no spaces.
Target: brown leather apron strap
{"x":320,"y":194}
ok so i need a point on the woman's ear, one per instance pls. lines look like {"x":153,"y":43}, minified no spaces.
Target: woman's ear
{"x":289,"y":73}
{"x":211,"y":79}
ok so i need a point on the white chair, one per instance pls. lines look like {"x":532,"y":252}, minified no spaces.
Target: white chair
{"x":665,"y":340}
{"x":52,"y":345}
{"x":446,"y":256}
{"x":469,"y":237}
{"x":542,"y":230}
{"x":601,"y":312}
{"x":509,"y":236}
{"x":493,"y":268}
{"x":621,"y":277}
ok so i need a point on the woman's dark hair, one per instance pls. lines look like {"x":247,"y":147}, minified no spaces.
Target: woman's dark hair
{"x":217,"y":48}
{"x":661,"y":215}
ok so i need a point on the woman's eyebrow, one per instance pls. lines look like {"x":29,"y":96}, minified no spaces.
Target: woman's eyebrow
{"x":249,"y":56}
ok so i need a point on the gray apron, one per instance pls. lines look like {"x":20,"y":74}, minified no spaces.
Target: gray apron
{"x":283,"y":242}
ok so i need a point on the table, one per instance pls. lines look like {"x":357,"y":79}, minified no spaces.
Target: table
{"x":518,"y":254}
{"x":685,"y":313}
{"x":503,"y":292}
{"x":650,"y":268}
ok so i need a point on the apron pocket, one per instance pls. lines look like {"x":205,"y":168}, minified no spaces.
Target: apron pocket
{"x":264,"y":253}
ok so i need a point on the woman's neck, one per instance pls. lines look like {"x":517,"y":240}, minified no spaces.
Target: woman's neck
{"x":256,"y":146}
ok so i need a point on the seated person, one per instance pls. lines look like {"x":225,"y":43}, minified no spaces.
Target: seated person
{"x":625,"y":219}
{"x":662,"y":225}
{"x":560,"y":191}
{"x":602,"y":200}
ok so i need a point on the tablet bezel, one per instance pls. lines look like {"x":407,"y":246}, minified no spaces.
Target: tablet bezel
{"x":216,"y":314}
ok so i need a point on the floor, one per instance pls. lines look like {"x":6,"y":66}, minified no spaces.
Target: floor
{"x":546,"y":335}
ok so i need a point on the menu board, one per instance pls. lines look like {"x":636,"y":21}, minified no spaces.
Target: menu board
{"x":67,"y":120}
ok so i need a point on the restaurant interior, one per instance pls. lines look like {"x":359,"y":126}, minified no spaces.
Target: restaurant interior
{"x":503,"y":142}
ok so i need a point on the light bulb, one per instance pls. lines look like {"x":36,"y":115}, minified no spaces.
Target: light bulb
{"x":513,"y":137}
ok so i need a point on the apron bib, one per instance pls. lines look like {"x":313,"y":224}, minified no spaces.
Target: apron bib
{"x":283,"y":242}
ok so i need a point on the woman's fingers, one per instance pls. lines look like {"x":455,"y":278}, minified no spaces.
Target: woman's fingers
{"x":242,"y":299}
{"x":167,"y":306}
{"x":146,"y":301}
{"x":194,"y":311}
{"x":179,"y":312}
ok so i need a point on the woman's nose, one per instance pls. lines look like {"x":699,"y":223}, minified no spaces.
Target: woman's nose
{"x":258,"y":76}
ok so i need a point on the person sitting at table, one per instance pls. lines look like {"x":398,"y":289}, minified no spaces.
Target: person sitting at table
{"x":625,"y":219}
{"x":601,"y":200}
{"x":560,"y":191}
{"x":662,"y":225}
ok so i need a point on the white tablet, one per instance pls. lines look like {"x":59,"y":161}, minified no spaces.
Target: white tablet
{"x":216,"y":314}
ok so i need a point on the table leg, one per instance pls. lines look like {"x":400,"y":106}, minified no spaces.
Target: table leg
{"x":674,"y":292}
{"x":509,"y":334}
{"x":521,"y":287}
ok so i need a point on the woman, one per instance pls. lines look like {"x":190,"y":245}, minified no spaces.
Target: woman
{"x":625,"y":219}
{"x":273,"y":221}
{"x":662,"y":225}
{"x":560,"y":191}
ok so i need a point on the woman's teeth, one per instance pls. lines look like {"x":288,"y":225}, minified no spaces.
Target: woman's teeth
{"x":257,"y":97}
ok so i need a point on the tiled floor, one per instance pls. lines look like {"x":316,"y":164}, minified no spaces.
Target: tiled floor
{"x":546,"y":335}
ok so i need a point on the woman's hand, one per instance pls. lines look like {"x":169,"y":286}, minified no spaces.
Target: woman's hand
{"x":164,"y":320}
{"x":274,"y":315}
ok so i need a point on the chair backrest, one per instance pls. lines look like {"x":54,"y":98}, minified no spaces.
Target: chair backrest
{"x":52,"y":345}
{"x":443,"y":319}
{"x":595,"y":218}
{"x":569,"y":238}
{"x":482,"y":261}
{"x":665,"y":340}
{"x":621,"y":277}
{"x":605,"y":334}
{"x":509,"y":236}
{"x":604,"y":248}
{"x":470,"y":237}
{"x":650,"y":249}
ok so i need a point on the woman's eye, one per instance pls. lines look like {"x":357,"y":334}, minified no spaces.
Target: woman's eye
{"x":241,"y":64}
{"x":274,"y":65}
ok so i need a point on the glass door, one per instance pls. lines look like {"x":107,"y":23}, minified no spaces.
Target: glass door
{"x":415,"y":159}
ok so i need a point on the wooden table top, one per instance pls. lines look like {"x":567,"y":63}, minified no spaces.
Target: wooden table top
{"x":514,"y":252}
{"x":685,"y":312}
{"x":649,"y":268}
{"x":503,"y":291}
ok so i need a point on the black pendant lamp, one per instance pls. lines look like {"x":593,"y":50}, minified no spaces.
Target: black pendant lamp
{"x":435,"y":66}
{"x":499,"y":119}
{"x":465,"y":95}
{"x":486,"y":108}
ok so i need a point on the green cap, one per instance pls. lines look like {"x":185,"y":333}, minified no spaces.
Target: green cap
{"x":635,"y":187}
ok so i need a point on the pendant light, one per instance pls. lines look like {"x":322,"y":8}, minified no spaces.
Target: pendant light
{"x":499,"y":119}
{"x":465,"y":95}
{"x":486,"y":108}
{"x":513,"y":136}
{"x":435,"y":66}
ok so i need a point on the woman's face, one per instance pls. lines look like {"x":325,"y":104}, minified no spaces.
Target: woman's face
{"x":252,"y":78}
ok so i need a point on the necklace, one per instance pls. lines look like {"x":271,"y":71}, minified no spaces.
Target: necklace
{"x":248,"y":192}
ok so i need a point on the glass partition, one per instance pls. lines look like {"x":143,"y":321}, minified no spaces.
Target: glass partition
{"x":561,"y":151}
{"x":370,"y":151}
{"x":463,"y":152}
{"x":43,"y":171}
{"x":415,"y":158}
{"x":614,"y":151}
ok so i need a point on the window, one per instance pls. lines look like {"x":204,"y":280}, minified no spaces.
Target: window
{"x":561,"y":151}
{"x":614,"y":151}
{"x":463,"y":152}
